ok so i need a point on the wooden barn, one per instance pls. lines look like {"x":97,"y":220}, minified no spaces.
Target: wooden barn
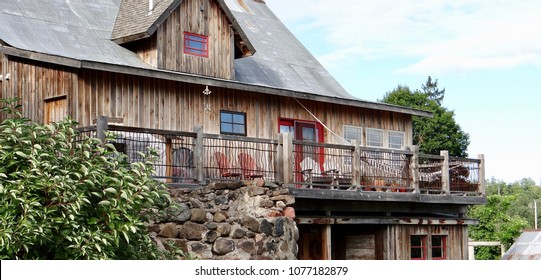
{"x":223,"y":91}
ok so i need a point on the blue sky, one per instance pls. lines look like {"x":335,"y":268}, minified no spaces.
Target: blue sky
{"x":486,"y":54}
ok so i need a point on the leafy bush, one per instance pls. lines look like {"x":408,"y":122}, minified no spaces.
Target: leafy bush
{"x":67,"y":196}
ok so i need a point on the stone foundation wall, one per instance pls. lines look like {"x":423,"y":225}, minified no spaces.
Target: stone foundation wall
{"x":225,"y":221}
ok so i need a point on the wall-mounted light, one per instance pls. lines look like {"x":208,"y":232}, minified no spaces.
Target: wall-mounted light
{"x":207,"y":91}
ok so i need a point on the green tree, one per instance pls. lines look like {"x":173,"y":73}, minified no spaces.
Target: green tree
{"x":65,"y":196}
{"x":495,"y":224}
{"x":441,"y":132}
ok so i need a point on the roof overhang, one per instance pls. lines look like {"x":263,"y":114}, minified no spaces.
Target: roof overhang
{"x":208,"y":81}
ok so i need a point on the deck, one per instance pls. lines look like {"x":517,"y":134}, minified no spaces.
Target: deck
{"x":310,"y":169}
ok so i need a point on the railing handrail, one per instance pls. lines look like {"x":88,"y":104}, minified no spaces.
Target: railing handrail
{"x":472,"y":160}
{"x":241,"y":138}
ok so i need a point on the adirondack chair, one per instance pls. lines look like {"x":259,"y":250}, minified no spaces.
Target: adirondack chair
{"x":224,"y":165}
{"x":312,"y":174}
{"x":183,"y":165}
{"x":249,"y":167}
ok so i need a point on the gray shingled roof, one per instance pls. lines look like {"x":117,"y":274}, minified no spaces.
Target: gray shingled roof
{"x":280,"y":59}
{"x":74,"y":29}
{"x":127,"y":29}
{"x":526,"y":247}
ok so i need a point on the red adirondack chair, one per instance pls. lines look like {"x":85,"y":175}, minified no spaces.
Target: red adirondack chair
{"x":225,"y":166}
{"x":249,"y":167}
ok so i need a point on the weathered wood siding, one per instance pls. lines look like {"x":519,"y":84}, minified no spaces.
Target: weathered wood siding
{"x":164,"y":49}
{"x":398,"y":240}
{"x":151,"y":103}
{"x":35,"y":82}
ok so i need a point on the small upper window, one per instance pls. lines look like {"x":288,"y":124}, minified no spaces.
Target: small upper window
{"x":396,"y":140}
{"x":195,"y":44}
{"x":233,"y":123}
{"x":374,"y":137}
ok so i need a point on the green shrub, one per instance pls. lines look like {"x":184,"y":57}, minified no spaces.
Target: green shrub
{"x":66,"y":196}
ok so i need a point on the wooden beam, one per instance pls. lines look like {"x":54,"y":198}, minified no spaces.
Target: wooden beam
{"x":445,"y":180}
{"x":54,"y":59}
{"x":384,"y":221}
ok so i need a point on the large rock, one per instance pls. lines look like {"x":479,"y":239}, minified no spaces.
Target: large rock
{"x":237,"y":232}
{"x":219,"y":217}
{"x":199,"y":216}
{"x":279,"y":227}
{"x":169,"y":231}
{"x":200,"y":250}
{"x":223,"y":229}
{"x":289,"y":212}
{"x":223,"y":246}
{"x":247,"y":246}
{"x":177,"y":213}
{"x":266,"y":227}
{"x":211,"y":236}
{"x":251,"y":223}
{"x":192,"y":231}
{"x":254,"y":191}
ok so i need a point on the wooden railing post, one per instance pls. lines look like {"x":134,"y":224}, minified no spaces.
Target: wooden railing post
{"x":414,"y":169}
{"x":445,"y":180}
{"x":102,"y":123}
{"x":356,"y":163}
{"x":199,"y":153}
{"x":482,"y":182}
{"x":279,"y":159}
{"x":287,"y":158}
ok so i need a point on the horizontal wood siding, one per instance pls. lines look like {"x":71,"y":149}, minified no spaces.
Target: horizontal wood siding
{"x":398,"y":240}
{"x":35,"y":82}
{"x":164,"y":49}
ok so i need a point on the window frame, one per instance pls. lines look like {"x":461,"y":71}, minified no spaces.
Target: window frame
{"x":423,"y":246}
{"x":382,"y":137}
{"x":443,"y":247}
{"x":188,"y":49}
{"x":233,"y":113}
{"x":358,"y":128}
{"x":403,"y":144}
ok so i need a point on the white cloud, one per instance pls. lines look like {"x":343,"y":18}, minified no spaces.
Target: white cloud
{"x":443,"y":36}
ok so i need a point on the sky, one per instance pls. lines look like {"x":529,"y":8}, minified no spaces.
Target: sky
{"x":485,"y":54}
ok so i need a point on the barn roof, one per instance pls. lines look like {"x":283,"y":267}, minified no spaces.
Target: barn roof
{"x":79,"y":33}
{"x":526,"y":247}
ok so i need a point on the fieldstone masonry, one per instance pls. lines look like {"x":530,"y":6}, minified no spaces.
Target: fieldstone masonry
{"x":229,"y":221}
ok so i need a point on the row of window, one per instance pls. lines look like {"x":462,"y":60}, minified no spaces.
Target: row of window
{"x":235,"y":123}
{"x":419,"y":247}
{"x":378,"y":138}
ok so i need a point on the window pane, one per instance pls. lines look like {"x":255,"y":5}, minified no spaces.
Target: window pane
{"x":286,"y":128}
{"x":396,"y":140}
{"x":227,"y":117}
{"x":227,"y":127}
{"x":308,"y":133}
{"x":238,"y":128}
{"x":352,"y":133}
{"x":416,"y":240}
{"x":436,"y":240}
{"x":416,"y":253}
{"x":238,"y":118}
{"x":437,"y":253}
{"x":374,"y":138}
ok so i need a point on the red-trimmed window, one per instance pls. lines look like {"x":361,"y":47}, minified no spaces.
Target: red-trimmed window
{"x":196,"y":44}
{"x":418,"y":247}
{"x":439,"y":247}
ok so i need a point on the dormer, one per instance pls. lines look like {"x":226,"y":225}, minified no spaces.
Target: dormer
{"x":191,"y":36}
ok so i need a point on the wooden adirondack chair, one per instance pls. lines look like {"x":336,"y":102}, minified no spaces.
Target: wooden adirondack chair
{"x":224,"y":165}
{"x":249,"y":167}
